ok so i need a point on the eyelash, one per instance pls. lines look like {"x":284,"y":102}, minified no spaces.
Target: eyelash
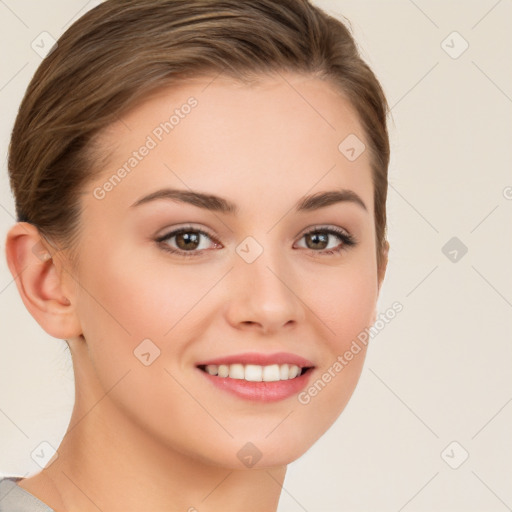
{"x":346,"y":239}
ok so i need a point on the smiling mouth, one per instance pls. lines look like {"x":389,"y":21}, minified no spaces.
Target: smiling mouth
{"x":254,"y":372}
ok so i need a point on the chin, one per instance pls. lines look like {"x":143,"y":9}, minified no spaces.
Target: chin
{"x":257,"y":450}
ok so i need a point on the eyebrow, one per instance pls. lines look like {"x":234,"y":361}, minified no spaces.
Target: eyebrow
{"x":219,"y":204}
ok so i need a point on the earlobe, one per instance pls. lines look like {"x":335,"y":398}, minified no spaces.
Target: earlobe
{"x":39,"y":281}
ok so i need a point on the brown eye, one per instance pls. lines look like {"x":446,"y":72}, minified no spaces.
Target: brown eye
{"x":188,"y":241}
{"x":328,"y":240}
{"x":317,"y":240}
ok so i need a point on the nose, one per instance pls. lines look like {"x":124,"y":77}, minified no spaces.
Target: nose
{"x":264,"y":295}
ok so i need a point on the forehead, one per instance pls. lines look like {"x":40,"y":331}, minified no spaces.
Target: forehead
{"x":280,"y":135}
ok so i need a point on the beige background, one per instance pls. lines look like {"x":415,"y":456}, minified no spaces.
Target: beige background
{"x":441,"y":370}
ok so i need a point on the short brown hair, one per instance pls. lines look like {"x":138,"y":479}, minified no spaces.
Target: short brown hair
{"x":120,"y":51}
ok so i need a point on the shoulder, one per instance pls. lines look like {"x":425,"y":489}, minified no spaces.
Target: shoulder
{"x":14,"y":498}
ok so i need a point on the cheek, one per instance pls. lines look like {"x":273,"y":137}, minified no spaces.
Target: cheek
{"x":345,"y":301}
{"x":132,"y":300}
{"x":125,"y":302}
{"x":125,"y":315}
{"x":119,"y":307}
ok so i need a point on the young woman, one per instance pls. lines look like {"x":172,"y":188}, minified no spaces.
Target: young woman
{"x":201,"y":197}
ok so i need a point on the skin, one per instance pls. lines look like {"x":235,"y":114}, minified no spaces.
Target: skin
{"x":161,"y":437}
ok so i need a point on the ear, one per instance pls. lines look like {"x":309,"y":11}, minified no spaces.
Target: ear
{"x":381,"y":272}
{"x":39,"y":276}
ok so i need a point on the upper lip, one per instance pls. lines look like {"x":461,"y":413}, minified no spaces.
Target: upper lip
{"x":260,"y":359}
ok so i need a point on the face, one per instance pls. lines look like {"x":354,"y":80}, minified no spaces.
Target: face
{"x":231,"y":317}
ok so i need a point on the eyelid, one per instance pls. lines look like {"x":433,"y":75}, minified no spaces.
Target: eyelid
{"x":172,"y":232}
{"x":347,"y":239}
{"x":190,"y":227}
{"x":324,"y":227}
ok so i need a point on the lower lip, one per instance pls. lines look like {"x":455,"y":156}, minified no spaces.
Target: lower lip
{"x":260,"y":391}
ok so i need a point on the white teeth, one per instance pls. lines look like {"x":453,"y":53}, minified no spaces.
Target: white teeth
{"x":223,"y":370}
{"x":236,"y":371}
{"x":293,"y":371}
{"x":271,"y":373}
{"x":212,"y":369}
{"x":254,"y":372}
